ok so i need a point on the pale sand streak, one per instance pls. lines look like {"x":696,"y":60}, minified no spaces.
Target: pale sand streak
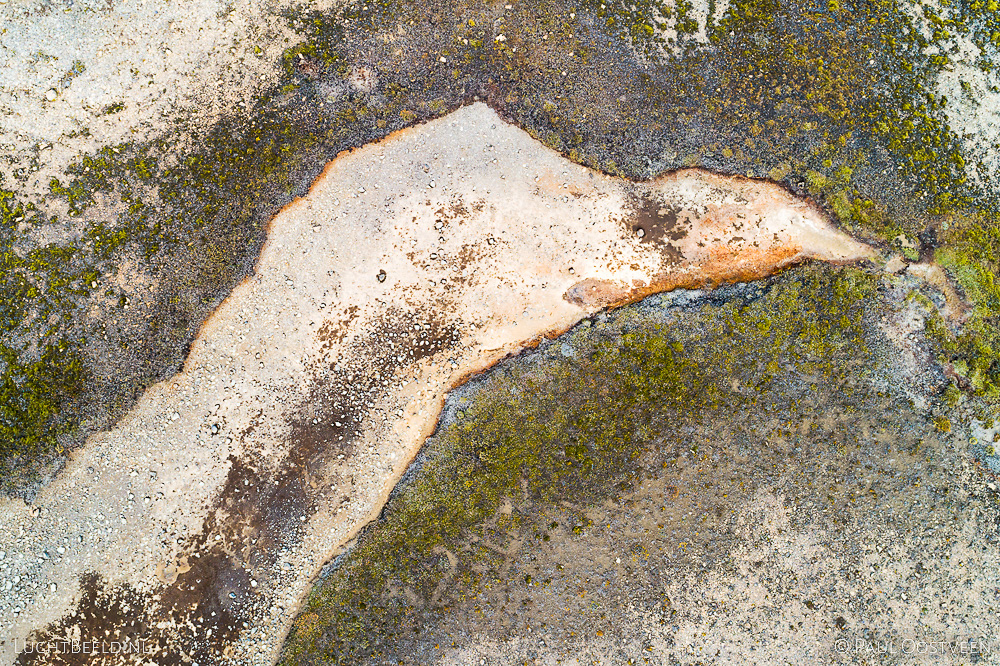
{"x":526,"y":217}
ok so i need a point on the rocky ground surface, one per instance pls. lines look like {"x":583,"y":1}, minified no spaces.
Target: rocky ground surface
{"x":828,"y":436}
{"x":310,"y":389}
{"x":145,"y":148}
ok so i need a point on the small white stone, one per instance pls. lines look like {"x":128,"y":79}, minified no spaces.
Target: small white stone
{"x":51,"y":94}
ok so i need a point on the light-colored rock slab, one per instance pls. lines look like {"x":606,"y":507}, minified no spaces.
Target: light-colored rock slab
{"x":411,"y":264}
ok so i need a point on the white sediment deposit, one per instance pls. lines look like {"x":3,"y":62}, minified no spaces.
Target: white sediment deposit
{"x":411,"y":264}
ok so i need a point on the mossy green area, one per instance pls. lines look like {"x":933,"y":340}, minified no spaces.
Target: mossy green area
{"x":971,"y":253}
{"x":752,"y":377}
{"x":41,"y":371}
{"x":834,"y":99}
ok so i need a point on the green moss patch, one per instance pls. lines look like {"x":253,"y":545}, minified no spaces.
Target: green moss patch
{"x":41,"y":371}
